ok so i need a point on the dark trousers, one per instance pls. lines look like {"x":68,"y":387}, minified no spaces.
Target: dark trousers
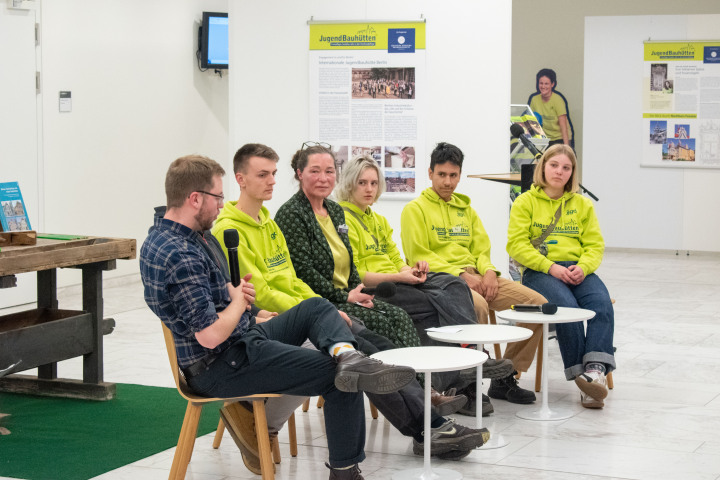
{"x":269,"y":359}
{"x":404,"y":408}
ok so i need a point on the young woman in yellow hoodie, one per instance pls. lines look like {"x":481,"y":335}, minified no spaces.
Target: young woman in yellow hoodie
{"x":564,"y":271}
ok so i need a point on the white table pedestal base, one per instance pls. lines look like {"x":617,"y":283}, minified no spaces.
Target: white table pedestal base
{"x":421,"y":474}
{"x":543,"y":413}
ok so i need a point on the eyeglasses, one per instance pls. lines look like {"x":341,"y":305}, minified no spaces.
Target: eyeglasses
{"x":315,"y":144}
{"x":220,"y":198}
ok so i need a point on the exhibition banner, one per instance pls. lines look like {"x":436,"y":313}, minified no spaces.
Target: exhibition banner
{"x":366,"y":94}
{"x":681,"y":104}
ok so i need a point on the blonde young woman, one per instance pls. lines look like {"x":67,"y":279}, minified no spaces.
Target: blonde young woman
{"x":565,"y":274}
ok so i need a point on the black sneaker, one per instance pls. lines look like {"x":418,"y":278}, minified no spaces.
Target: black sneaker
{"x":357,"y":372}
{"x":352,"y":473}
{"x":508,"y":389}
{"x":470,"y":408}
{"x":451,"y":436}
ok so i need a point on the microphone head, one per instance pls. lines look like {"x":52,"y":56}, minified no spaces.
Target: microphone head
{"x":516,"y":130}
{"x":231,"y":238}
{"x":385,"y":289}
{"x":548,"y":308}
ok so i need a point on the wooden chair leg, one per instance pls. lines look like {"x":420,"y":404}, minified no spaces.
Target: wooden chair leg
{"x":219,"y":434}
{"x":306,"y":405}
{"x":373,"y":411}
{"x":261,"y":431}
{"x":610,"y":383}
{"x":275,"y":447}
{"x":539,"y":367}
{"x":493,"y":321}
{"x":321,"y":402}
{"x":292,"y":433}
{"x":186,"y":442}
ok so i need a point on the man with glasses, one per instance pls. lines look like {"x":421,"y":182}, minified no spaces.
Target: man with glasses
{"x":224,"y":351}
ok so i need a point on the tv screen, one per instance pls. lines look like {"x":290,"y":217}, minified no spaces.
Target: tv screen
{"x":214,"y":40}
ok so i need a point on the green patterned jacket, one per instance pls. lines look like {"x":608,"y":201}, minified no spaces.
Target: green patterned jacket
{"x":309,"y":250}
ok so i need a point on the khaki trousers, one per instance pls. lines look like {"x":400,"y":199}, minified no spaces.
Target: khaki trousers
{"x":510,"y":293}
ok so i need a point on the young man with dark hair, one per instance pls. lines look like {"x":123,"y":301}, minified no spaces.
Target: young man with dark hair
{"x":225,"y":351}
{"x":442,"y":228}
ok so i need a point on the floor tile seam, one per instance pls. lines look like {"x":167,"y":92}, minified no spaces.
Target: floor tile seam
{"x":570,"y":472}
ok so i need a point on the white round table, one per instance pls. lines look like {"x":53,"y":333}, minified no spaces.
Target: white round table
{"x":480,"y":335}
{"x":563,"y":315}
{"x":428,"y":360}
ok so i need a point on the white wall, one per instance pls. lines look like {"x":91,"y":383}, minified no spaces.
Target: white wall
{"x":468,"y":65}
{"x":139,"y":102}
{"x":551,"y":34}
{"x":641,"y":207}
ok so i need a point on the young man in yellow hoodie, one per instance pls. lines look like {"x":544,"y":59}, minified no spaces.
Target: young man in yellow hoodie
{"x":264,"y":253}
{"x":442,"y":228}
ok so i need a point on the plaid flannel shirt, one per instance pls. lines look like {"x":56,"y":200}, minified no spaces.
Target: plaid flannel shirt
{"x":185,"y":288}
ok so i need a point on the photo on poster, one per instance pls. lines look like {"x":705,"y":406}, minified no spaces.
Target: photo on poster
{"x":682,"y":131}
{"x":658,"y":75}
{"x":341,"y":157}
{"x":372,"y":152}
{"x":399,"y":181}
{"x":668,"y":86}
{"x":399,"y":157}
{"x":677,"y":150}
{"x":658,"y":131}
{"x":383,"y":83}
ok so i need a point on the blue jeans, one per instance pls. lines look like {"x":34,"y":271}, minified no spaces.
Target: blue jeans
{"x":578,"y":347}
{"x":269,"y":359}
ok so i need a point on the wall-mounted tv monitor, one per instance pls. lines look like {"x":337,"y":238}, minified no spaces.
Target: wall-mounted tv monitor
{"x":213,"y":39}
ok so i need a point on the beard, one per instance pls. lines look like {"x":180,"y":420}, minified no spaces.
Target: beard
{"x":205,"y":220}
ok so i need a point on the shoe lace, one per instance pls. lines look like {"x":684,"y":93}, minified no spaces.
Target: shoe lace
{"x":511,"y":381}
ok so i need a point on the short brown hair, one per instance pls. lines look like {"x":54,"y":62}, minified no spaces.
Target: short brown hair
{"x":188,"y":174}
{"x":252,"y":150}
{"x":572,"y":184}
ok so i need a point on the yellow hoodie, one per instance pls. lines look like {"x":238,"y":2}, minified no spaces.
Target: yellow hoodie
{"x":448,"y":235}
{"x":576,"y":236}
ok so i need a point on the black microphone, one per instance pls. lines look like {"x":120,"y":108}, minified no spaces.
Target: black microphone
{"x":518,"y":132}
{"x":546,"y":308}
{"x":232,"y":239}
{"x":384,"y":290}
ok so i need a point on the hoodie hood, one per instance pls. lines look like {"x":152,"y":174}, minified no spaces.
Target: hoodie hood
{"x":230,"y":213}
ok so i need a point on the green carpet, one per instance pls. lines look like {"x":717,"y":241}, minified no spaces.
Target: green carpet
{"x":66,"y":439}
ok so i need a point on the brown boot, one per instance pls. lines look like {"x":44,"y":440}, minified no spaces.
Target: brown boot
{"x":240,"y":424}
{"x":446,"y":404}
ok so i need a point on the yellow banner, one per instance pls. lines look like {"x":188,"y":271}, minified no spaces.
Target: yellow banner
{"x":400,"y":37}
{"x":677,"y":51}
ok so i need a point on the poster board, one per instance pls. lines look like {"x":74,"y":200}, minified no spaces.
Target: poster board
{"x":681,"y":104}
{"x":367,"y":85}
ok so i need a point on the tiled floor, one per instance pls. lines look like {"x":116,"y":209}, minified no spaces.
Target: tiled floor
{"x":660,"y":422}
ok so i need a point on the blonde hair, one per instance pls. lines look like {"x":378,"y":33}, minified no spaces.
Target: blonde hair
{"x":351,"y":173}
{"x":572,"y":184}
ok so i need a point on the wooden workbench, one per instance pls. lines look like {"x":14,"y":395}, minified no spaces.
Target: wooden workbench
{"x":43,"y":336}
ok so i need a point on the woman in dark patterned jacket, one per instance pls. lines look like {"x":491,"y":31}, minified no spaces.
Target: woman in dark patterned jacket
{"x":316,"y":235}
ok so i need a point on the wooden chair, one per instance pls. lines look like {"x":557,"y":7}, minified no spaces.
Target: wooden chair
{"x":321,"y":402}
{"x":188,"y":432}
